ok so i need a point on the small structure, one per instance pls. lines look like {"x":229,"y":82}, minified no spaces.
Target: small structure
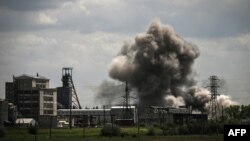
{"x":3,"y":112}
{"x":62,"y":123}
{"x":25,"y":122}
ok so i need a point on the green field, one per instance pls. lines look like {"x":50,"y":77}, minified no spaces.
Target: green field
{"x":93,"y":134}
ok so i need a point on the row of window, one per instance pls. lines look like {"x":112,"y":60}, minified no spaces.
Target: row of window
{"x":31,"y":98}
{"x":30,"y":105}
{"x":25,"y":112}
{"x":27,"y":101}
{"x":40,"y":86}
{"x":48,"y":93}
{"x":28,"y":92}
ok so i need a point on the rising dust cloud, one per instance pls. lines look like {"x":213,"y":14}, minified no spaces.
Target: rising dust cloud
{"x":158,"y":65}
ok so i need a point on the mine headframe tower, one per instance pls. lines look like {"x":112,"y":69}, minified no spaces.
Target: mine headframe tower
{"x":214,"y":108}
{"x":68,"y":83}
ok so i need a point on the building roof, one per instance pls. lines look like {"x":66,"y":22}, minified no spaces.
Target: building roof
{"x":161,"y":107}
{"x":24,"y":120}
{"x":3,"y":100}
{"x":82,"y":110}
{"x":26,"y":76}
{"x":119,"y":107}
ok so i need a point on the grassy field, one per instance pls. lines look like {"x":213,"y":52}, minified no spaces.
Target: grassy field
{"x":93,"y":134}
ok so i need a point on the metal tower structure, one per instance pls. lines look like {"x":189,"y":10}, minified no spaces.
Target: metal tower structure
{"x":68,"y":83}
{"x":214,"y":106}
{"x":127,"y":113}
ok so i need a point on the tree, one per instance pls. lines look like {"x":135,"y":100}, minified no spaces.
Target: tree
{"x":245,"y":111}
{"x":233,"y":112}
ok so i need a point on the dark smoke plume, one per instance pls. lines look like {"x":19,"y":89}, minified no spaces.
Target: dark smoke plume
{"x":158,"y":64}
{"x":109,"y":93}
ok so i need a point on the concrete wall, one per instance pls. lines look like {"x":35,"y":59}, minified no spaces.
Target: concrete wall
{"x":48,"y":93}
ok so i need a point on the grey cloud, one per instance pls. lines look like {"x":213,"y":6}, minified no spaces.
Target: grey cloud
{"x":196,"y":18}
{"x":29,"y":5}
{"x":46,"y":52}
{"x":107,"y":24}
{"x":228,"y":58}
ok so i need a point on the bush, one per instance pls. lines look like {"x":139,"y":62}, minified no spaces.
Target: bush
{"x":107,"y":130}
{"x":32,"y":130}
{"x":215,"y":127}
{"x":156,"y":125}
{"x":183,"y":130}
{"x":150,"y":131}
{"x":170,"y":131}
{"x":195,"y":128}
{"x":142,"y":125}
{"x":134,"y":135}
{"x":2,"y":133}
{"x":123,"y":134}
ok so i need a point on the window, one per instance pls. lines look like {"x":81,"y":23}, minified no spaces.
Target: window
{"x":48,"y":105}
{"x":48,"y":92}
{"x":47,"y":112}
{"x":46,"y":98}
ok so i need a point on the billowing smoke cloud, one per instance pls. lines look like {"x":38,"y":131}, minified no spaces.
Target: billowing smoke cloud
{"x":109,"y":93}
{"x":196,"y":97}
{"x":226,"y":101}
{"x":158,"y":64}
{"x":173,"y":101}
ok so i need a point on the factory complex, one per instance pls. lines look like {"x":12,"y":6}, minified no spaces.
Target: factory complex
{"x":30,"y":101}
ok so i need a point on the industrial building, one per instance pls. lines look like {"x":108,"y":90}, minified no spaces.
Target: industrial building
{"x":9,"y":92}
{"x":33,"y":97}
{"x":152,"y":115}
{"x":30,"y":97}
{"x":158,"y":115}
{"x":95,"y":117}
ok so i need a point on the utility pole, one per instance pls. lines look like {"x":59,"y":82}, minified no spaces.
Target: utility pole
{"x":83,"y":127}
{"x":104,"y":115}
{"x":70,"y":115}
{"x":50,"y":128}
{"x":112,"y":124}
{"x":138,"y":123}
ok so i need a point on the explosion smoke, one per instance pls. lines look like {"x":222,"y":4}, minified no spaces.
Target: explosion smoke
{"x":109,"y":92}
{"x":173,"y":101}
{"x":158,"y":64}
{"x":226,"y":101}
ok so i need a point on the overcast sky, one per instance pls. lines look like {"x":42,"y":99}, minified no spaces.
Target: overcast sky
{"x":44,"y":36}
